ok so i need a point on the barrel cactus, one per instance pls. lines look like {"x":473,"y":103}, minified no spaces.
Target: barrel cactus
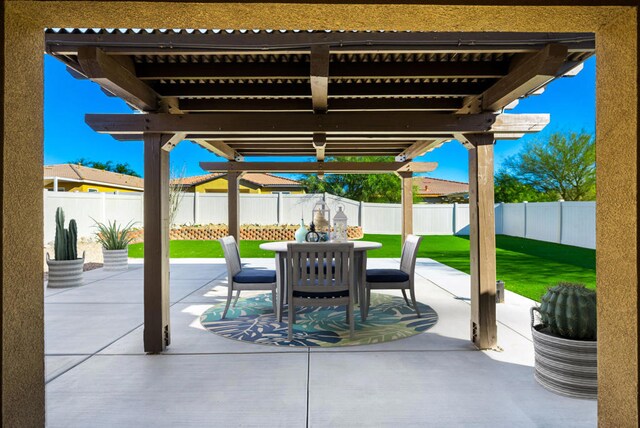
{"x":569,"y":311}
{"x":65,"y":246}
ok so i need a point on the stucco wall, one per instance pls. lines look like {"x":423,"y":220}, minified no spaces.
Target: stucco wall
{"x":22,"y":158}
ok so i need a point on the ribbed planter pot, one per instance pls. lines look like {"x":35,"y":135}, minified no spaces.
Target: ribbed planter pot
{"x":115,"y":259}
{"x":65,"y":273}
{"x":564,"y":366}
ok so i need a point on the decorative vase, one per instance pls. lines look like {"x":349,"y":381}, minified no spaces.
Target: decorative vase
{"x":301,"y":233}
{"x":65,"y":273}
{"x":115,"y":259}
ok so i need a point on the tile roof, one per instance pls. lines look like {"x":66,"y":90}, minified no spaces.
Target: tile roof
{"x":428,"y":186}
{"x":86,"y":174}
{"x":259,"y":179}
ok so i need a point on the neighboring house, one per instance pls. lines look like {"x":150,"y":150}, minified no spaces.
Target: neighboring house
{"x":249,"y":183}
{"x":435,"y":190}
{"x":76,"y":178}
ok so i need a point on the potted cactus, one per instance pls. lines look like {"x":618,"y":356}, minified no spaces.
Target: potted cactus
{"x":565,"y":341}
{"x":66,"y":269}
{"x":114,"y":239}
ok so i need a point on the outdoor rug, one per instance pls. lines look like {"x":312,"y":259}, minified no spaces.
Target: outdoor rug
{"x":252,"y":320}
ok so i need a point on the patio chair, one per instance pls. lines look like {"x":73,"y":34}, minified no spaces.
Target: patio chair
{"x":320,"y":287}
{"x":394,"y":279}
{"x":244,"y":278}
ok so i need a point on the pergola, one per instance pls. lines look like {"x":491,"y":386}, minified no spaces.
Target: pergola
{"x":318,"y":94}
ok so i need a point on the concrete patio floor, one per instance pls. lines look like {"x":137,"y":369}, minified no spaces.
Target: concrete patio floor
{"x":98,"y":375}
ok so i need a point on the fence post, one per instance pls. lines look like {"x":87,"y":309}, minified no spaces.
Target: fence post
{"x":196,"y":207}
{"x":361,"y":216}
{"x":454,"y":218}
{"x":525,"y":218}
{"x":561,"y":202}
{"x":280,"y":208}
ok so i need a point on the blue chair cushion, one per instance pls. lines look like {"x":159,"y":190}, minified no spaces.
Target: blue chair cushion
{"x":386,"y":275}
{"x":333,"y":266}
{"x":321,"y":295}
{"x":255,"y":276}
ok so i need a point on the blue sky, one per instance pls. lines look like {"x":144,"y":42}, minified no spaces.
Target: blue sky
{"x":570,"y":101}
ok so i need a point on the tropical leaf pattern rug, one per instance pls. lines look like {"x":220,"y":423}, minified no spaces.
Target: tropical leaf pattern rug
{"x":252,"y":320}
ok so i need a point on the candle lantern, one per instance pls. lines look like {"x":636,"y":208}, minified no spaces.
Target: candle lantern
{"x":321,"y":218}
{"x":340,"y":225}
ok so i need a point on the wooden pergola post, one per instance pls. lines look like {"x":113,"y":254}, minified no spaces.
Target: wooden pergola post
{"x":156,"y":242}
{"x":233,"y":195}
{"x":407,"y":204}
{"x":482,"y":240}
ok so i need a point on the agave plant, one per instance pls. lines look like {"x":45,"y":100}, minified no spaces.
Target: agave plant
{"x":114,"y":236}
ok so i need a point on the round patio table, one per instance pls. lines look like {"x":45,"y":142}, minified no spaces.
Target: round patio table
{"x":360,"y":249}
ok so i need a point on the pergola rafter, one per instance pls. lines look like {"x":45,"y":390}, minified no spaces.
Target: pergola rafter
{"x":320,"y":94}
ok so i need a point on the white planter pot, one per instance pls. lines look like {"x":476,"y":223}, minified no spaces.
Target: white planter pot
{"x":565,"y":366}
{"x":65,"y":273}
{"x":115,"y":259}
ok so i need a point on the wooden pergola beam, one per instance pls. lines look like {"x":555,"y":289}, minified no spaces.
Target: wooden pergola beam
{"x":113,"y":76}
{"x":156,"y":255}
{"x":301,"y":104}
{"x":285,"y":123}
{"x":320,"y":144}
{"x":406,"y":179}
{"x":340,"y":41}
{"x":325,"y":167}
{"x":419,"y":148}
{"x":342,"y":70}
{"x":482,"y":240}
{"x":285,"y":90}
{"x":319,"y":78}
{"x":220,"y":148}
{"x":528,"y":75}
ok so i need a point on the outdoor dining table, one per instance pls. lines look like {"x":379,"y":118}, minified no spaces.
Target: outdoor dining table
{"x":360,"y":249}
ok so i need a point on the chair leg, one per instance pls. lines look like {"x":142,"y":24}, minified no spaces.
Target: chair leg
{"x":229,"y":297}
{"x":235,"y":302}
{"x":404,"y":294}
{"x":274,"y":300}
{"x":413,"y":299}
{"x":280,"y":303}
{"x":366,"y":303}
{"x":292,"y":318}
{"x":352,"y":322}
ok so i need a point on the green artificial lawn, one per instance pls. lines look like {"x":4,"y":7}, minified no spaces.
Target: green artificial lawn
{"x":526,"y":266}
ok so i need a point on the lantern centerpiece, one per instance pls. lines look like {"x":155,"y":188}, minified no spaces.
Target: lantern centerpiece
{"x":321,"y":219}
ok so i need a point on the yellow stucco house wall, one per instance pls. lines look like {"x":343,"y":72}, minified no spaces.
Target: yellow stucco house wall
{"x":255,"y":183}
{"x":69,"y":186}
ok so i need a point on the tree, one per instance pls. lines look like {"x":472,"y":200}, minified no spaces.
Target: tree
{"x":120,"y":168}
{"x":563,"y":167}
{"x":509,"y":189}
{"x":360,"y":187}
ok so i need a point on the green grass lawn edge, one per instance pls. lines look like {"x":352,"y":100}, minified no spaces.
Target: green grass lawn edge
{"x":528,"y":267}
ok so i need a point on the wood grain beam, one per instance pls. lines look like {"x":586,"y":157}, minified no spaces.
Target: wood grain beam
{"x":116,"y":78}
{"x":336,"y":90}
{"x":346,"y":42}
{"x":302,"y":104}
{"x":156,"y":238}
{"x":319,"y":144}
{"x":233,"y":204}
{"x":482,"y":242}
{"x":220,"y":148}
{"x":407,"y":204}
{"x":419,"y":148}
{"x":326,"y":167}
{"x":319,"y":78}
{"x":343,"y":70}
{"x":528,"y":73}
{"x":292,"y":123}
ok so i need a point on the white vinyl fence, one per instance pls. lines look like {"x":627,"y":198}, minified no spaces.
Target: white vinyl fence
{"x":570,"y":223}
